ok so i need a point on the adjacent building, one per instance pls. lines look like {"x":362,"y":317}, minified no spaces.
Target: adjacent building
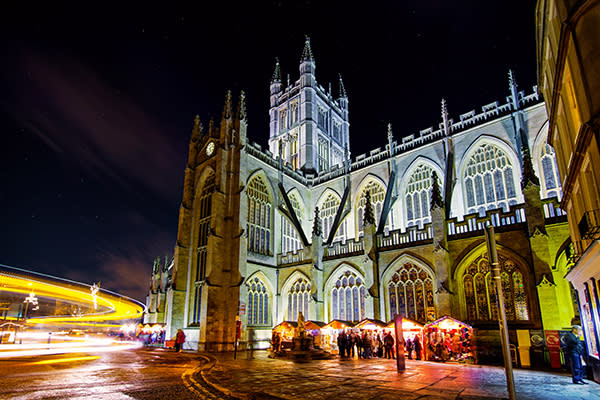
{"x":302,"y":227}
{"x":568,"y":55}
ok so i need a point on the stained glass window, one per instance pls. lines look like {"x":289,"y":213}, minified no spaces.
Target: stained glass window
{"x":259,"y":216}
{"x":488,"y":179}
{"x":480,"y":293}
{"x":551,"y":185}
{"x":298,"y":299}
{"x":327,"y":210}
{"x":410,"y":293}
{"x":377,"y":193}
{"x":347,"y":298}
{"x":258,"y":303}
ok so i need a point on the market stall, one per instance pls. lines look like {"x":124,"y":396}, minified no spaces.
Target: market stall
{"x":448,"y":339}
{"x":411,"y":330}
{"x":330,"y":332}
{"x":287,"y":330}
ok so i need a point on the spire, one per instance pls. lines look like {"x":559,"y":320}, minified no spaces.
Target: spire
{"x":277,"y":73}
{"x":307,"y":54}
{"x":227,"y":110}
{"x":436,"y":195}
{"x":445,"y":120}
{"x":197,"y":129}
{"x":390,"y":139}
{"x":512,"y":86}
{"x":316,"y":231}
{"x":368,"y":218}
{"x":241,"y":110}
{"x":342,"y":88}
{"x":528,"y":172}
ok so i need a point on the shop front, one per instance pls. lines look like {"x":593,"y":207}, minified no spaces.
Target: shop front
{"x":411,"y":331}
{"x":448,"y":339}
{"x":330,"y":332}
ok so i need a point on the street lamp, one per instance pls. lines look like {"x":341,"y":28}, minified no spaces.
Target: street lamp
{"x":33,"y":300}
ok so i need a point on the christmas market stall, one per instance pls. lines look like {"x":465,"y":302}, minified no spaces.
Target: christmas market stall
{"x":411,"y":331}
{"x":448,"y":339}
{"x":330,"y":332}
{"x":286,"y":331}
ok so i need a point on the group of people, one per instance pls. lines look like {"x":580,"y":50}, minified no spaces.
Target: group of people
{"x":448,"y":345}
{"x":368,"y":345}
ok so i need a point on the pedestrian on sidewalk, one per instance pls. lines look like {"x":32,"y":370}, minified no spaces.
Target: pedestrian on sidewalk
{"x":574,"y":350}
{"x":417,"y":346}
{"x":179,"y":340}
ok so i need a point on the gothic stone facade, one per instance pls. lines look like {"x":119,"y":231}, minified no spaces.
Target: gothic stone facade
{"x":265,"y":234}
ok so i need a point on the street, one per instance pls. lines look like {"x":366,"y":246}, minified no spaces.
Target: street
{"x":155,"y":373}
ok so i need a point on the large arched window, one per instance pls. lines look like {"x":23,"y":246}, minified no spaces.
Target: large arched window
{"x":551,"y":186}
{"x":377,"y":193}
{"x":480,"y":296}
{"x":259,"y":217}
{"x":258,"y":303}
{"x":327,"y":212}
{"x":489,"y":180}
{"x":290,"y":240}
{"x":203,"y":207}
{"x":348,"y":297}
{"x":417,"y":196}
{"x":410,"y":293}
{"x":298,"y":296}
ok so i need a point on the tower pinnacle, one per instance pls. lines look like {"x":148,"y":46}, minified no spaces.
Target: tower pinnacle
{"x":307,"y":54}
{"x":342,"y":88}
{"x":277,"y":73}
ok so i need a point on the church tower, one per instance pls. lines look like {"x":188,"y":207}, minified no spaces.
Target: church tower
{"x":308,"y":124}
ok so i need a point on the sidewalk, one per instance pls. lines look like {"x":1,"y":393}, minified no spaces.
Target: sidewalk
{"x":260,"y":377}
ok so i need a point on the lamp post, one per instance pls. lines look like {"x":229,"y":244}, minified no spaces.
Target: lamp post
{"x":33,"y":300}
{"x":490,"y":240}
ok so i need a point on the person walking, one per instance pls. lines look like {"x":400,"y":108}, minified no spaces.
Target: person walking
{"x":179,"y":340}
{"x":409,"y":348}
{"x":388,"y":343}
{"x":341,"y":341}
{"x":574,"y":351}
{"x":417,"y":346}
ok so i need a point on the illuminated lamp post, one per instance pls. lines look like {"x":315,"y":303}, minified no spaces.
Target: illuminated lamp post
{"x":33,"y":300}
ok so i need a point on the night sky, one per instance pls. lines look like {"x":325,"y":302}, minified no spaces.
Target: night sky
{"x":97,"y":102}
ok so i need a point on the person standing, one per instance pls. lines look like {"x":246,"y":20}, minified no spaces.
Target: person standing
{"x":409,"y":348}
{"x":388,"y":343}
{"x":179,"y":340}
{"x":574,"y":351}
{"x":417,"y":346}
{"x":341,"y":341}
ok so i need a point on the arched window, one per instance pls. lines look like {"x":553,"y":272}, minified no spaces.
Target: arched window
{"x":327,"y":212}
{"x":258,"y":303}
{"x":290,"y":240}
{"x":348,"y":298}
{"x":259,"y":217}
{"x":489,"y":181}
{"x":480,"y":295}
{"x":418,"y":196}
{"x":551,"y":185}
{"x":410,"y":293}
{"x":298,"y":296}
{"x":377,"y":193}
{"x":203,"y":207}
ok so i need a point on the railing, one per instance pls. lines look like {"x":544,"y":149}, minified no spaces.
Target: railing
{"x":574,"y":251}
{"x":398,"y":238}
{"x":339,"y":249}
{"x":291,"y":258}
{"x":498,"y":218}
{"x":589,"y":226}
{"x":552,"y":210}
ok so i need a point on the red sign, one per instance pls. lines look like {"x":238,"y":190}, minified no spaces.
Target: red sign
{"x":552,"y":340}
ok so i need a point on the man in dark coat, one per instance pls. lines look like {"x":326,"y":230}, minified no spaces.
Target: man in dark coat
{"x":341,"y":340}
{"x":574,"y":351}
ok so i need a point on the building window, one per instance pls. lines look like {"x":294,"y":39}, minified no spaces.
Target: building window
{"x":323,"y":154}
{"x":489,"y":180}
{"x":377,"y":192}
{"x":204,"y":202}
{"x":294,"y":114}
{"x":480,"y":295}
{"x":348,"y":298}
{"x":258,"y":303}
{"x":322,"y":119}
{"x":337,"y":130}
{"x":294,"y":150}
{"x":298,"y":296}
{"x":551,"y":185}
{"x":327,"y":212}
{"x":410,"y":293}
{"x":290,"y":239}
{"x":259,"y":217}
{"x":283,"y":122}
{"x":418,"y":196}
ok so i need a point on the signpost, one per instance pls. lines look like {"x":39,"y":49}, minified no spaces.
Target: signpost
{"x":490,"y":240}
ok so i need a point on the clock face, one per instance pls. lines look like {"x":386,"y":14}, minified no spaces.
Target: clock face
{"x":210,"y":148}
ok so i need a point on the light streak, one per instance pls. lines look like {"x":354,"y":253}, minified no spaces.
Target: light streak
{"x":64,"y":348}
{"x":63,"y":360}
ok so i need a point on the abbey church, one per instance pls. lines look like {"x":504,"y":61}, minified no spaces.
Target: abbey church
{"x":303,"y":226}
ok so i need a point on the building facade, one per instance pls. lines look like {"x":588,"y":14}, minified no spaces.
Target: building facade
{"x":568,"y":54}
{"x":302,"y":227}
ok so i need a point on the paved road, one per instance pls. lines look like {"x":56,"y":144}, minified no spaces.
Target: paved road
{"x":129,"y":374}
{"x":162,"y":374}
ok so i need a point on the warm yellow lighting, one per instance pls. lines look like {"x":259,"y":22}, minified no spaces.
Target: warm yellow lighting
{"x":64,"y":360}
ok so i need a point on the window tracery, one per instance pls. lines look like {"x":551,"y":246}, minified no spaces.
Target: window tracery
{"x":327,"y":212}
{"x":348,"y":297}
{"x":418,"y":196}
{"x":377,"y":193}
{"x":410,"y":293}
{"x":298,"y":296}
{"x":258,"y":303}
{"x":259,"y":217}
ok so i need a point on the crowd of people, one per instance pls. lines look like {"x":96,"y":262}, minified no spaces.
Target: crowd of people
{"x":372,"y":344}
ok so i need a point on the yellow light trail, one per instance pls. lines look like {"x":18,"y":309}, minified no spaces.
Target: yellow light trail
{"x":111,"y":307}
{"x":63,"y":360}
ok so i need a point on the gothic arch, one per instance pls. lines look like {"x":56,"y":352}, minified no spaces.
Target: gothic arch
{"x":489,"y":180}
{"x":377,"y":200}
{"x":328,"y":191}
{"x":290,"y":237}
{"x":261,"y":173}
{"x":261,"y":213}
{"x":345,"y":292}
{"x":409,"y":286}
{"x":259,"y":300}
{"x":287,"y":294}
{"x":545,"y":164}
{"x":206,"y":172}
{"x":327,"y":214}
{"x":473,"y":279}
{"x":416,"y":203}
{"x":260,"y":275}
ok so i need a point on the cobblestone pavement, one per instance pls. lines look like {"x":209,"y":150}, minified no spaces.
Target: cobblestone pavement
{"x":255,"y":376}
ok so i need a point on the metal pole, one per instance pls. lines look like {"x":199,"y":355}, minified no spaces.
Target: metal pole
{"x":490,"y":239}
